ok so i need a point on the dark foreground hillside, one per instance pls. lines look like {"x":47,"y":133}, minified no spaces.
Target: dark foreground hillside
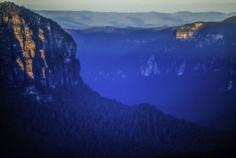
{"x":47,"y":111}
{"x":80,"y":123}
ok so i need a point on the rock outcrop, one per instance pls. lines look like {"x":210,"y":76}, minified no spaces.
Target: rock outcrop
{"x":42,"y":53}
{"x":188,"y":31}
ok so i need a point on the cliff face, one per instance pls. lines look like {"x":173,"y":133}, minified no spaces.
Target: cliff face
{"x":188,"y":31}
{"x":42,"y":53}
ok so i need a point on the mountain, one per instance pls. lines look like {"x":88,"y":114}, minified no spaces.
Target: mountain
{"x":87,"y":19}
{"x":30,"y":50}
{"x":47,"y":110}
{"x":187,"y":71}
{"x":230,"y":20}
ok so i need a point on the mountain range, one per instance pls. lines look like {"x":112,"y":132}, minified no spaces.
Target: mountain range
{"x":48,"y":111}
{"x":193,"y":64}
{"x":87,"y":19}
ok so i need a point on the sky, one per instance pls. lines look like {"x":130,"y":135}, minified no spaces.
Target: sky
{"x":131,"y":5}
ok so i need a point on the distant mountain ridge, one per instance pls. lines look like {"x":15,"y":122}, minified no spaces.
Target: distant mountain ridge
{"x":230,"y":20}
{"x":87,"y":19}
{"x":154,"y":65}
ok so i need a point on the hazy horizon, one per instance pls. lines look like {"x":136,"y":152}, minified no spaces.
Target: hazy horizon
{"x":60,"y":10}
{"x":123,"y":6}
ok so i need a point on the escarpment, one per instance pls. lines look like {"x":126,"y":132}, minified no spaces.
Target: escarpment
{"x":42,"y":53}
{"x":188,"y":31}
